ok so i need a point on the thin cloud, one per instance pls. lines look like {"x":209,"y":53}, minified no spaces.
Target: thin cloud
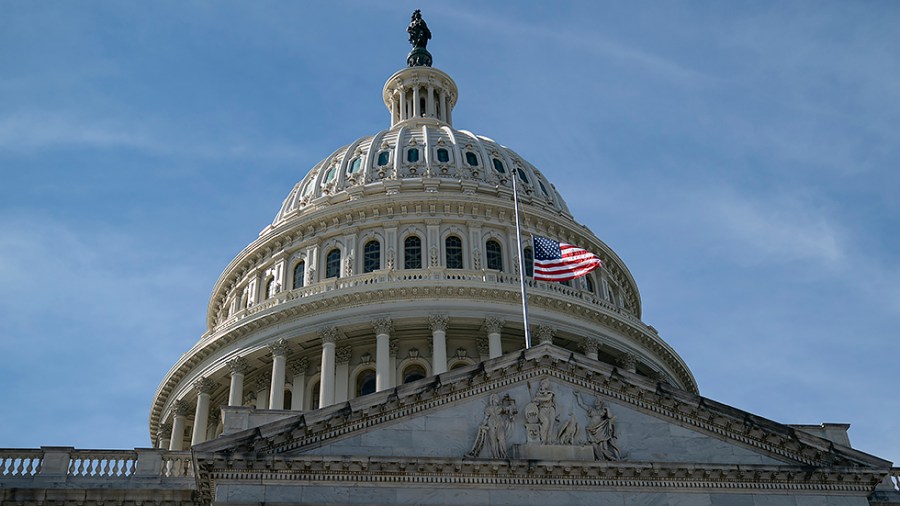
{"x":36,"y":131}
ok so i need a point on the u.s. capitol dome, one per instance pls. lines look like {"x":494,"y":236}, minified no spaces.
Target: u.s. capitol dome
{"x":394,"y":259}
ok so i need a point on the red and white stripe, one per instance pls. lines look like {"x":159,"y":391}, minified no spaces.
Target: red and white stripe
{"x":575,"y":262}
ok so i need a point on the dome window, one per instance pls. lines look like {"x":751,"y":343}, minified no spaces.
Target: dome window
{"x":522,"y":176}
{"x":269,"y":289}
{"x":471,"y":158}
{"x":443,"y":155}
{"x":308,"y":188}
{"x":543,"y":188}
{"x":528,"y":258}
{"x":494,"y":255}
{"x":412,"y":155}
{"x":453,"y":255}
{"x":329,"y":176}
{"x":371,"y":256}
{"x":354,"y":165}
{"x":413,"y":373}
{"x":333,"y":264}
{"x":588,"y":284}
{"x":498,"y":166}
{"x":412,"y":253}
{"x":365,"y":383}
{"x":299,"y":271}
{"x":383,"y":158}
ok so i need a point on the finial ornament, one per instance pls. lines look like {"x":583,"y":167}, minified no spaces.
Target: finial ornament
{"x":419,"y":34}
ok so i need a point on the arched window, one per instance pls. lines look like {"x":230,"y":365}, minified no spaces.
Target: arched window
{"x":528,"y":258}
{"x":371,"y":256}
{"x":314,"y":398}
{"x":589,"y":283}
{"x":365,"y":382}
{"x":412,"y":373}
{"x":333,"y":264}
{"x":412,"y":252}
{"x":453,"y":252}
{"x":299,"y":273}
{"x":269,"y":290}
{"x":493,"y":255}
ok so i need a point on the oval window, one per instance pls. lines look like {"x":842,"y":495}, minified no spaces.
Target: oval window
{"x":498,"y":166}
{"x":471,"y":159}
{"x":412,"y":155}
{"x":383,"y":158}
{"x":443,"y":155}
{"x":354,"y":165}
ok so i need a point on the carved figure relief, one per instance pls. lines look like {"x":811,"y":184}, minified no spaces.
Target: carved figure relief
{"x":601,"y":429}
{"x":495,"y":427}
{"x":544,"y":401}
{"x":590,"y":435}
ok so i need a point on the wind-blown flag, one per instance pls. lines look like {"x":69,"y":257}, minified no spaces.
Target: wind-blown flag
{"x":558,"y":261}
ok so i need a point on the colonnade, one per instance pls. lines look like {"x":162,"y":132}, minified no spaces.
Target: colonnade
{"x":333,"y":377}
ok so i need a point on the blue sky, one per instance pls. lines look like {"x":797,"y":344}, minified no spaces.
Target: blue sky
{"x":741,"y":157}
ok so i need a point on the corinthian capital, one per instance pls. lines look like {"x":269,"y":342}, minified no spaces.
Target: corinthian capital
{"x":328,"y":334}
{"x":438,"y":322}
{"x":238,"y":365}
{"x":493,"y":325}
{"x":590,"y":345}
{"x":383,"y":326}
{"x":545,"y":333}
{"x":205,"y":385}
{"x":182,"y":408}
{"x":279,"y":348}
{"x":342,"y":355}
{"x":299,"y":366}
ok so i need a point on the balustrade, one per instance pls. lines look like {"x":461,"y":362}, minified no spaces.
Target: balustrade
{"x":117,"y":466}
{"x":98,"y":463}
{"x":20,"y":463}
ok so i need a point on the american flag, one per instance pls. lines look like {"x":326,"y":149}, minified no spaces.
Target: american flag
{"x":558,"y":261}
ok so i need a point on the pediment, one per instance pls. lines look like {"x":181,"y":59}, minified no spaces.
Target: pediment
{"x":543,"y":404}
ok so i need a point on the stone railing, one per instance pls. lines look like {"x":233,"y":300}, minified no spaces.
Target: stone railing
{"x":51,"y":464}
{"x":431,"y":274}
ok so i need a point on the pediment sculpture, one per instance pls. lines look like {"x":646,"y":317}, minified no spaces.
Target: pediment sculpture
{"x":544,"y":435}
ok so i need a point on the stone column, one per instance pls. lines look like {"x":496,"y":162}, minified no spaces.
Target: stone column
{"x":494,"y":325}
{"x":342,"y":373}
{"x":628,"y":362}
{"x":298,"y":383}
{"x":329,"y":336}
{"x":591,"y":347}
{"x":262,"y":391}
{"x":393,"y":349}
{"x":180,"y":410}
{"x":383,"y":329}
{"x":279,"y":351}
{"x":429,"y":103}
{"x":164,"y":436}
{"x":443,"y":101}
{"x":205,"y":388}
{"x":545,"y":333}
{"x":404,"y":112}
{"x":416,"y":109}
{"x":239,"y":367}
{"x":438,"y":324}
{"x":213,"y":423}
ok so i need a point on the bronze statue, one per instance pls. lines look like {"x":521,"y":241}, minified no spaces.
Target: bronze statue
{"x":418,"y":31}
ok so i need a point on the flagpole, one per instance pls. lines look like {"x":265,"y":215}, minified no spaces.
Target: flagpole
{"x":521,"y":262}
